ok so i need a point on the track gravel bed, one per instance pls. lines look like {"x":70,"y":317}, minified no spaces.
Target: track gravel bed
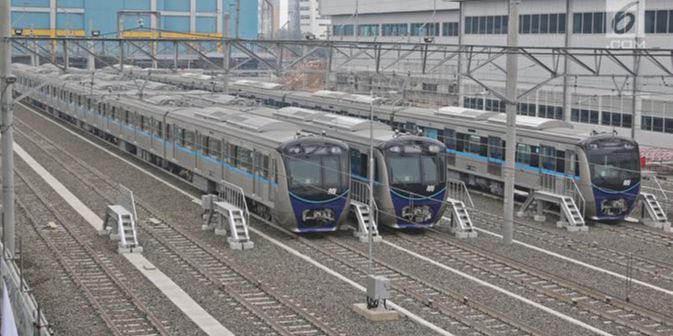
{"x":583,"y":303}
{"x":270,"y":311}
{"x":102,"y":284}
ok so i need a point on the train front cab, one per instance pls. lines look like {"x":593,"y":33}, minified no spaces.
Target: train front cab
{"x":317,"y":187}
{"x":413,"y":195}
{"x":612,"y":164}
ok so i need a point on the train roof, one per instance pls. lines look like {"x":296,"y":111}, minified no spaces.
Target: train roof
{"x":215,"y":118}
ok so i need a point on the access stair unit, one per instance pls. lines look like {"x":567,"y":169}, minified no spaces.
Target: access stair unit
{"x":366,"y":219}
{"x":120,"y":222}
{"x":456,"y":215}
{"x":652,"y":213}
{"x":228,"y":214}
{"x":571,"y":217}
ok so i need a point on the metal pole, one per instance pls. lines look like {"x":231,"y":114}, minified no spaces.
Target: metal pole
{"x":238,"y":18}
{"x":511,"y":87}
{"x":357,"y":19}
{"x":459,"y":70}
{"x":7,"y":127}
{"x":371,"y":185}
{"x":566,"y":62}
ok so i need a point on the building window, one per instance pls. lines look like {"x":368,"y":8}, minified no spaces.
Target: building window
{"x":526,"y":109}
{"x":584,"y":116}
{"x":429,"y":87}
{"x":368,"y":30}
{"x":550,"y":112}
{"x":450,"y":29}
{"x":473,"y":103}
{"x":425,"y":29}
{"x":495,"y":105}
{"x":589,"y":23}
{"x":616,"y":119}
{"x":659,"y":21}
{"x":395,"y":29}
{"x":342,"y":30}
{"x":486,"y":24}
{"x":542,"y":24}
{"x":657,"y":124}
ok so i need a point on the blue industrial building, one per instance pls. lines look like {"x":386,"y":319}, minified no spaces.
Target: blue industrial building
{"x":192,"y":18}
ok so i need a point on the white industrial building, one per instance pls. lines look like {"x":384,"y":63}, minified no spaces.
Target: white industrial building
{"x":600,"y":104}
{"x":311,"y":21}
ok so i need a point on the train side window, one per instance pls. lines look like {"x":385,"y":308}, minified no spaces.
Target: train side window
{"x":430,"y":132}
{"x":560,"y":161}
{"x":495,"y":148}
{"x":523,"y":154}
{"x":548,"y":158}
{"x":113,"y":114}
{"x":244,"y":159}
{"x":205,"y":144}
{"x":450,"y":138}
{"x":169,"y":133}
{"x":188,"y":139}
{"x":356,"y":162}
{"x":534,"y":156}
{"x":214,"y":148}
{"x":158,"y":128}
{"x":230,"y":156}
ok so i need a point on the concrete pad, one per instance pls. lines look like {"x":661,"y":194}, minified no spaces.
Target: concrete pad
{"x":376,"y":315}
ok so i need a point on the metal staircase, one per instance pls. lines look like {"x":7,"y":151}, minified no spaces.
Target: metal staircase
{"x":120,"y":225}
{"x":656,"y":215}
{"x":459,"y":219}
{"x":365,"y":222}
{"x":228,"y":215}
{"x":366,"y":218}
{"x":570,"y":214}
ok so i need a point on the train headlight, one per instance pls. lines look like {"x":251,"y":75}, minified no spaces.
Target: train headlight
{"x":434,"y":149}
{"x":395,"y":149}
{"x":294,"y":150}
{"x":336,"y":150}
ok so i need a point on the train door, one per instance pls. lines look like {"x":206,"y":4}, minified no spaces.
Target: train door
{"x":548,"y":165}
{"x":450,"y":143}
{"x":495,"y":155}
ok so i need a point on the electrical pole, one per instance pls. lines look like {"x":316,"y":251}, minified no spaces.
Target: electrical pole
{"x":511,"y":88}
{"x":6,"y":127}
{"x":238,"y":18}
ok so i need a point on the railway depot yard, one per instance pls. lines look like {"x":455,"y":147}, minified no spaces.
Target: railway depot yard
{"x":614,"y":279}
{"x":336,"y":168}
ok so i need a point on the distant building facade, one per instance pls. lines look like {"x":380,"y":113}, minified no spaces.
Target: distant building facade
{"x":194,"y":18}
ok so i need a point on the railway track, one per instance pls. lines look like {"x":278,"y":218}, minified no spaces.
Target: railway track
{"x":626,"y":317}
{"x":442,"y":307}
{"x":466,"y":318}
{"x":93,"y":273}
{"x":272,"y":310}
{"x":656,"y":269}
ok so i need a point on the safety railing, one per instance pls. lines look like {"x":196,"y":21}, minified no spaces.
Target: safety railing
{"x":456,"y":189}
{"x":235,"y":196}
{"x":126,"y":199}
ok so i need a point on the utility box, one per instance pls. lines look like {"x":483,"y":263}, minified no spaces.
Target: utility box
{"x":378,"y":289}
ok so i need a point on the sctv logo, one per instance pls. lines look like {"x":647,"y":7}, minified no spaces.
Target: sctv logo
{"x":625,"y":23}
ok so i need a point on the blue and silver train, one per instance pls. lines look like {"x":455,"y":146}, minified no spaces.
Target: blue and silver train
{"x":291,"y":176}
{"x":601,"y":171}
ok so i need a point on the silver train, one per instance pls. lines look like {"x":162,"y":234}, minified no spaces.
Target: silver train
{"x":601,"y":171}
{"x":410,"y":171}
{"x":288,"y":175}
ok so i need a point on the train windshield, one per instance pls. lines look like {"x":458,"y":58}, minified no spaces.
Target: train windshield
{"x":416,"y":167}
{"x":316,"y":171}
{"x":614,"y":165}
